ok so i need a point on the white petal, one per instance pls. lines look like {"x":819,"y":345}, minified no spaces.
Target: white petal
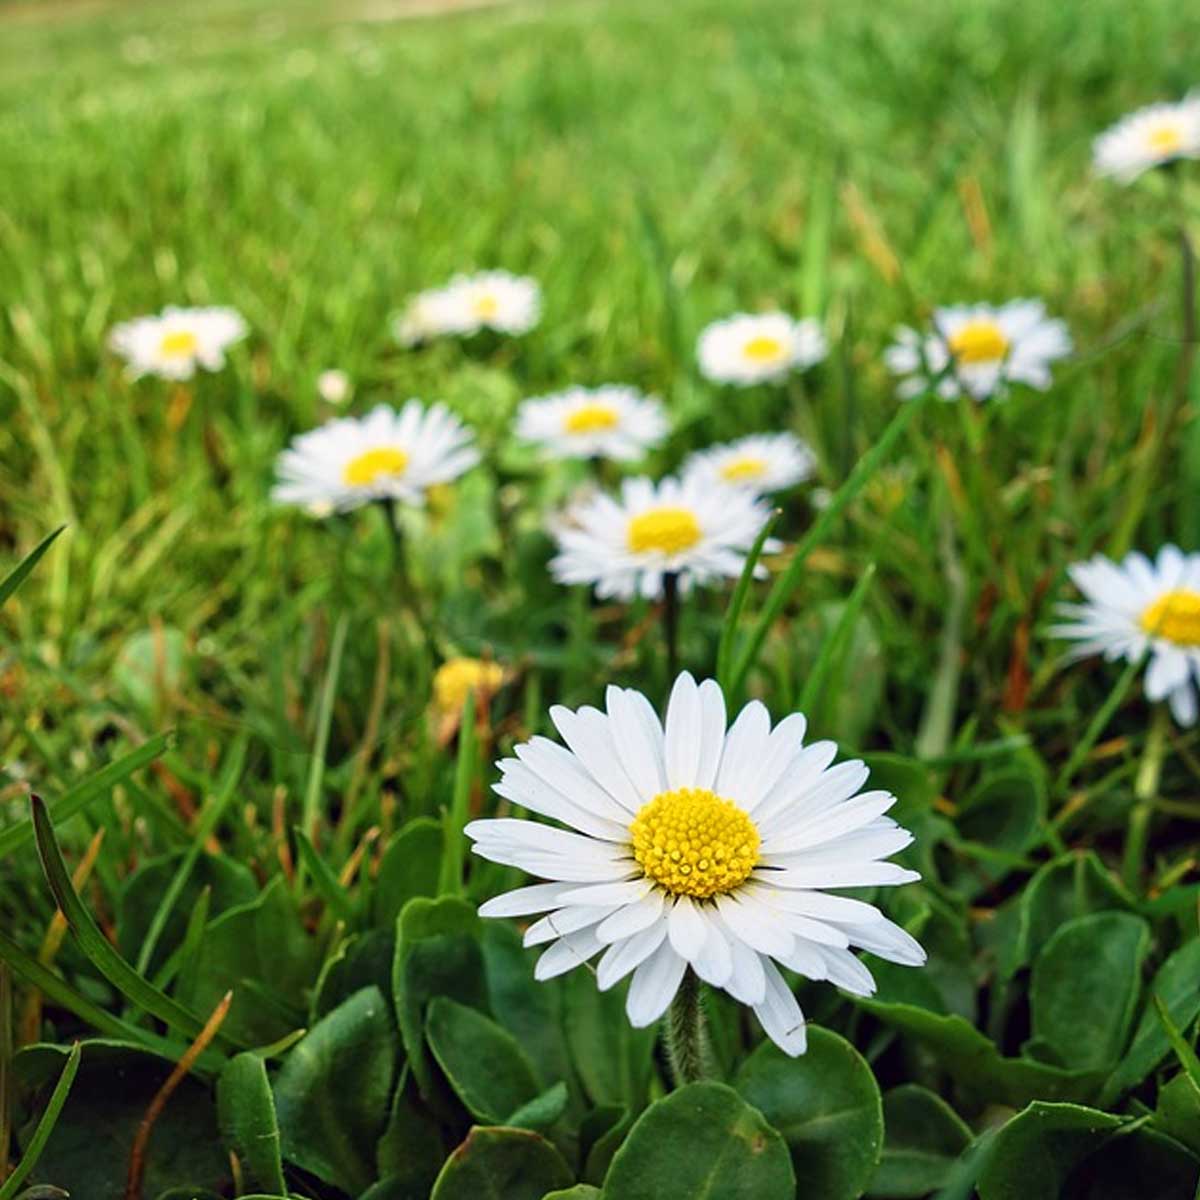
{"x":525,"y":901}
{"x":687,"y":928}
{"x":780,"y":1015}
{"x":745,"y":746}
{"x":683,"y":733}
{"x":631,"y":919}
{"x":572,"y":951}
{"x":654,"y":985}
{"x":639,"y":740}
{"x":712,"y":733}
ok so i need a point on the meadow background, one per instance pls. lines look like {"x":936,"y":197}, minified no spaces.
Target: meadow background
{"x":655,"y":166}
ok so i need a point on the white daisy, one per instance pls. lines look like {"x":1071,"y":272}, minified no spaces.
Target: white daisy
{"x":386,"y":455}
{"x":696,"y":846}
{"x":334,"y":387}
{"x":1149,"y":138}
{"x":494,"y":300}
{"x":177,"y":341}
{"x":1136,"y":605}
{"x":624,"y":545}
{"x":762,"y":462}
{"x":979,"y":349}
{"x":604,"y":422}
{"x":755,"y":348}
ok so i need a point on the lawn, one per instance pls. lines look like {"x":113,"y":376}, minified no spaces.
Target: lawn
{"x":226,"y":703}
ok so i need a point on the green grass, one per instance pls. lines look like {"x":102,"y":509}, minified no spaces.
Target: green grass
{"x":655,"y":166}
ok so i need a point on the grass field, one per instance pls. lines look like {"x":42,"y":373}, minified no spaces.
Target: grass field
{"x":655,"y":166}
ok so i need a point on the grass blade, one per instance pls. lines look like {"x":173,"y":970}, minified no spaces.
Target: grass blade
{"x":451,"y":881}
{"x":20,"y":573}
{"x":733,"y":614}
{"x":45,"y":1127}
{"x":325,"y":881}
{"x":787,"y":583}
{"x":76,"y":799}
{"x":833,"y":652}
{"x":95,"y":946}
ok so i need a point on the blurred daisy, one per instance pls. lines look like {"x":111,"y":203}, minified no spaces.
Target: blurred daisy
{"x":1149,"y":138}
{"x":334,"y":387}
{"x":624,"y":545}
{"x":457,"y":678}
{"x":1138,"y":605}
{"x":746,"y":349}
{"x":697,"y":846}
{"x":386,"y":455}
{"x":979,"y":349}
{"x":495,"y":300}
{"x":604,"y":422}
{"x":175,"y":343}
{"x":762,"y":462}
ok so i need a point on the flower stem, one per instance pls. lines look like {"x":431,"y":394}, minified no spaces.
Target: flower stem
{"x":687,"y":1040}
{"x":1145,"y":789}
{"x":671,"y":623}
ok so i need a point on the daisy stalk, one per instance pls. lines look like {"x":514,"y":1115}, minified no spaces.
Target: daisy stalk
{"x":1145,"y":792}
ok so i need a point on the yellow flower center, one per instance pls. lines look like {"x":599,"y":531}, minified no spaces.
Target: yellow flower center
{"x":763,"y":348}
{"x":458,"y":677}
{"x":485,"y":306}
{"x":1166,"y":139}
{"x":667,"y":530}
{"x":694,"y":843}
{"x":179,"y":343}
{"x":369,"y":468}
{"x":978,"y":342}
{"x":591,"y":418}
{"x":737,"y":469}
{"x":1174,"y":616}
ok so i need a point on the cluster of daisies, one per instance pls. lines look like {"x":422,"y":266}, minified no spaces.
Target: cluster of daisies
{"x":687,"y":843}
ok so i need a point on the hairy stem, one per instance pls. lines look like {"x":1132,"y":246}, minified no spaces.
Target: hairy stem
{"x":687,"y":1040}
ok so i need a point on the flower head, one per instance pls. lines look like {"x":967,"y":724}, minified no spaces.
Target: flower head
{"x":624,"y":545}
{"x":691,"y":845}
{"x":334,"y":387}
{"x":494,"y":300}
{"x":1149,"y":138}
{"x":760,"y":463}
{"x":746,"y":349}
{"x":177,"y":341}
{"x":386,"y":455}
{"x":456,"y":678}
{"x":1138,"y":605}
{"x":604,"y":422}
{"x":979,"y":349}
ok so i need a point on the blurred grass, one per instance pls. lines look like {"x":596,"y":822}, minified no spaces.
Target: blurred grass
{"x":655,"y":166}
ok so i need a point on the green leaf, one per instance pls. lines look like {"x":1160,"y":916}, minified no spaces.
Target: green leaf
{"x":733,"y":614}
{"x":410,"y":1153}
{"x":76,"y":799}
{"x":1032,"y":1156}
{"x":45,"y":1126}
{"x":325,"y":881}
{"x":246,"y":1111}
{"x":1174,"y":984}
{"x":483,"y":1063}
{"x":1138,"y":1164}
{"x":450,"y":881}
{"x":1178,"y":1112}
{"x":1085,"y":985}
{"x":923,"y":1138}
{"x":332,"y":1094}
{"x":437,"y":954}
{"x":149,"y":667}
{"x":827,"y":1106}
{"x":581,"y":1191}
{"x":358,"y":962}
{"x":20,"y":572}
{"x":614,"y":1060}
{"x":409,"y":868}
{"x":977,"y":1065}
{"x":501,"y":1164}
{"x":703,"y":1142}
{"x":543,"y":1111}
{"x":1005,"y":812}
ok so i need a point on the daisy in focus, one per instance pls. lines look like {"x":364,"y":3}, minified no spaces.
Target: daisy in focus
{"x":979,"y":350}
{"x":690,"y":845}
{"x":762,"y":463}
{"x":624,"y":545}
{"x":1148,"y":138}
{"x":386,"y":455}
{"x":495,"y":300}
{"x":605,"y":422}
{"x":746,"y":349}
{"x":1138,"y":605}
{"x":173,"y":344}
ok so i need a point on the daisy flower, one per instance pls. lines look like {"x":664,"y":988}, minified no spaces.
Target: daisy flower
{"x":624,"y":545}
{"x":762,"y":462}
{"x":746,"y":349}
{"x":979,"y":349}
{"x":495,"y":300}
{"x":604,"y":422}
{"x":1149,"y":138}
{"x":1138,"y":605}
{"x":177,"y":341}
{"x":386,"y":455}
{"x":687,"y":844}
